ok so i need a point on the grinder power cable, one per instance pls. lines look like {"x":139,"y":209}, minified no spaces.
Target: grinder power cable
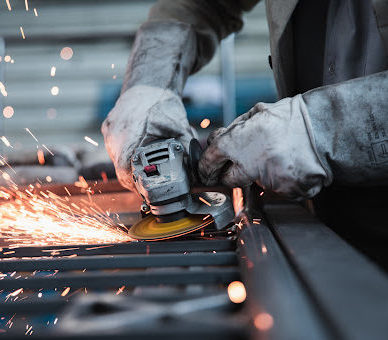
{"x":162,"y":174}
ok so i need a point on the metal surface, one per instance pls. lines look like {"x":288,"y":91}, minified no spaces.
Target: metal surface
{"x":273,"y":287}
{"x":351,"y":289}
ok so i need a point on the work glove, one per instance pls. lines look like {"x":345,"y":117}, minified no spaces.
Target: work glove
{"x":272,"y":145}
{"x":150,"y":106}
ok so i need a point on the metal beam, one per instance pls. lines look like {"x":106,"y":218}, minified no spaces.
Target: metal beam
{"x":120,"y":262}
{"x":103,"y":280}
{"x":351,"y":289}
{"x":121,"y":248}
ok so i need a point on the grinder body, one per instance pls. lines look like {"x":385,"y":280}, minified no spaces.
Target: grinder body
{"x":162,"y":177}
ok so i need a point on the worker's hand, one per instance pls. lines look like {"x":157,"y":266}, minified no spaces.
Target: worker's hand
{"x":141,"y":115}
{"x":272,"y":145}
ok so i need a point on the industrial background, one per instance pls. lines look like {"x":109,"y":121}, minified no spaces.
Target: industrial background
{"x":100,"y":34}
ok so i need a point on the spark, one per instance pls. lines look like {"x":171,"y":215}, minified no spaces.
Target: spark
{"x":49,"y":179}
{"x":16,"y":292}
{"x":7,"y":58}
{"x":5,"y":141}
{"x":8,"y":112}
{"x":3,"y":90}
{"x":262,"y":193}
{"x":8,"y":5}
{"x":28,"y":330}
{"x":237,"y":292}
{"x":55,"y":321}
{"x":256,"y":221}
{"x":54,"y":90}
{"x":22,"y":32}
{"x":26,"y":4}
{"x":66,"y":53}
{"x":113,"y":66}
{"x":52,"y":71}
{"x":29,"y":131}
{"x":120,"y":290}
{"x":263,"y":321}
{"x":34,"y":219}
{"x":40,"y":155}
{"x":35,"y":12}
{"x":205,"y":123}
{"x":40,"y":294}
{"x":66,"y":291}
{"x":204,"y":201}
{"x":48,"y":150}
{"x":264,"y":249}
{"x":91,"y":141}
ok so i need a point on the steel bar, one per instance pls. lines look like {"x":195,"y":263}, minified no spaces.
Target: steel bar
{"x":175,"y":330}
{"x":351,"y":289}
{"x":103,"y":280}
{"x":272,"y":285}
{"x":119,"y":262}
{"x":121,"y":248}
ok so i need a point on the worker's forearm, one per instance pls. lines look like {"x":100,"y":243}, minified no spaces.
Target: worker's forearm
{"x":350,"y":125}
{"x":162,"y":56}
{"x":179,"y":38}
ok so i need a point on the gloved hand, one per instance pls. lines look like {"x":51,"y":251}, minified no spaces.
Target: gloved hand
{"x":141,"y":115}
{"x":272,"y":145}
{"x":150,"y":106}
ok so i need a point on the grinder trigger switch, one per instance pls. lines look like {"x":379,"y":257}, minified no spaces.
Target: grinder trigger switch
{"x":151,"y":170}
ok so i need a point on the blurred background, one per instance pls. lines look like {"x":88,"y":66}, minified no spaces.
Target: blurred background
{"x":64,"y":62}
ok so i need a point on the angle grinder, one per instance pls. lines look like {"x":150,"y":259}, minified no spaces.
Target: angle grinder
{"x":163,"y":176}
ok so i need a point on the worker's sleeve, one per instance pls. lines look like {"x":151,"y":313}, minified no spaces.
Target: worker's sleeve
{"x":350,"y":125}
{"x":212,"y":20}
{"x":179,"y":38}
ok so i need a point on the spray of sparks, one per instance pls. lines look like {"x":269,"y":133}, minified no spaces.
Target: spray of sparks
{"x":31,"y":217}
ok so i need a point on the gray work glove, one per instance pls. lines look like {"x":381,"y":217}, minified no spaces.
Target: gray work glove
{"x":272,"y":145}
{"x":150,"y":105}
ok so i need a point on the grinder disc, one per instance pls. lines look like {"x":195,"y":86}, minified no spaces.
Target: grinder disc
{"x":148,"y":229}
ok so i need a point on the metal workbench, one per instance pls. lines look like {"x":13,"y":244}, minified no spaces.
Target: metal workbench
{"x":302,"y":281}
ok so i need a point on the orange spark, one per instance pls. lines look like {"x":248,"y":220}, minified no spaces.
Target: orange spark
{"x":66,"y":53}
{"x":16,"y":292}
{"x":91,"y":141}
{"x":120,"y":290}
{"x":41,"y":159}
{"x":22,"y":32}
{"x":66,"y":291}
{"x":237,"y":292}
{"x":205,"y":123}
{"x":204,"y":201}
{"x":8,"y":112}
{"x":8,"y":5}
{"x":238,"y":200}
{"x":44,"y":219}
{"x":52,"y":71}
{"x":263,"y":321}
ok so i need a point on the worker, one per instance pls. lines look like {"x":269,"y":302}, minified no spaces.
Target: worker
{"x":325,"y":138}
